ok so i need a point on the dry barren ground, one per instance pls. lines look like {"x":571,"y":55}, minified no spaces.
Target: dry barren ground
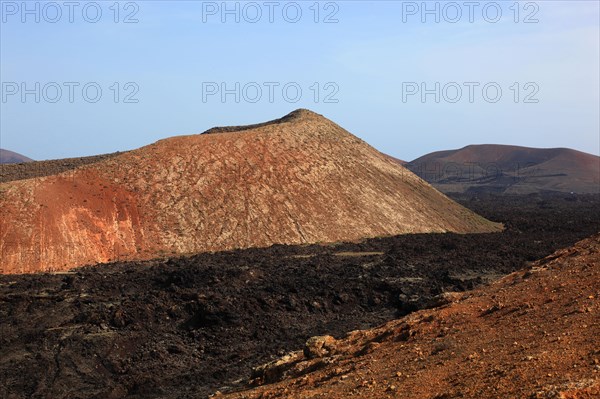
{"x":533,"y":334}
{"x":185,"y":327}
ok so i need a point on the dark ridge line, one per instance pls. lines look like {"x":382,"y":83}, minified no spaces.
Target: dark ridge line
{"x":292,"y":116}
{"x":29,"y":170}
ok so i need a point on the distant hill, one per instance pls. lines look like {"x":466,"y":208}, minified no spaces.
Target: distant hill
{"x":509,"y":169}
{"x":299,"y":179}
{"x":7,"y":156}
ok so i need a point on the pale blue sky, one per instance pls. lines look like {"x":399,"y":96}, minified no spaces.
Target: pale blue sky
{"x":369,"y":55}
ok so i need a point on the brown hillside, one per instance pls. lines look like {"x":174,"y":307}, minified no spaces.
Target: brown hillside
{"x":510,"y":169}
{"x":533,"y":334}
{"x":300,"y":179}
{"x":399,"y":161}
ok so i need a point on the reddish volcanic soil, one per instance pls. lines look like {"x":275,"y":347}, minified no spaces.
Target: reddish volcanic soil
{"x":533,"y":334}
{"x":509,"y":169}
{"x":300,"y":179}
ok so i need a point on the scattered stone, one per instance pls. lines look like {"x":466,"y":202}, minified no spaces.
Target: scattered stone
{"x":319,"y":346}
{"x":274,"y":371}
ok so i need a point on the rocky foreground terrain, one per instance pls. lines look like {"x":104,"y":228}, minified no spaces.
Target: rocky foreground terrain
{"x":296,"y":180}
{"x":186,"y":327}
{"x":532,"y":334}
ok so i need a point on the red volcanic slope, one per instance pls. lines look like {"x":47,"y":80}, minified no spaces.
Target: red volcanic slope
{"x":299,"y":179}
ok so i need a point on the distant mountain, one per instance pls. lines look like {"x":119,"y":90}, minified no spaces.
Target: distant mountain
{"x":509,"y":169}
{"x":299,"y":179}
{"x":7,"y":156}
